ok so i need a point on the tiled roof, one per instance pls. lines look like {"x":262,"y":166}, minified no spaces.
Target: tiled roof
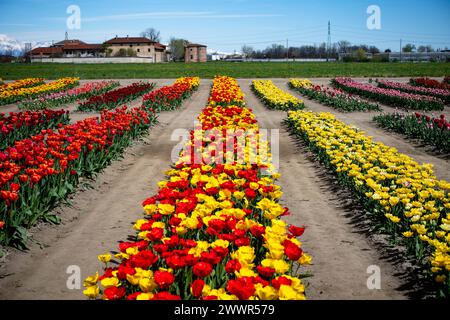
{"x":83,"y":47}
{"x":129,"y":40}
{"x":195,"y":45}
{"x":159,"y":46}
{"x":46,"y":50}
{"x":68,"y":42}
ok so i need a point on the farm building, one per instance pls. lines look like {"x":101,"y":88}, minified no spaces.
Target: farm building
{"x":195,"y":53}
{"x":68,"y":49}
{"x":141,"y":47}
{"x":125,"y":48}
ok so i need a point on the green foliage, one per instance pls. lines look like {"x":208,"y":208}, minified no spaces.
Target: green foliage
{"x":211,"y":69}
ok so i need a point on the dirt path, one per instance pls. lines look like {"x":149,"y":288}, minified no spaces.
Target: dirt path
{"x":100,"y":217}
{"x":341,"y":254}
{"x":363,"y":120}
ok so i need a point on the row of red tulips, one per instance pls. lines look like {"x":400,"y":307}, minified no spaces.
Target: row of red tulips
{"x":37,"y":173}
{"x":170,"y":97}
{"x":112,"y":99}
{"x":20,"y":125}
{"x":432,"y":131}
{"x":429,"y":83}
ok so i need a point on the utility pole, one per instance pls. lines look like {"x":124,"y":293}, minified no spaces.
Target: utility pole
{"x":329,"y":41}
{"x":401,"y":48}
{"x":287,"y":50}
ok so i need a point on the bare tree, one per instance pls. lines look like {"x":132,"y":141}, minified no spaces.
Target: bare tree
{"x":247,"y":51}
{"x":343,"y":46}
{"x":425,"y":49}
{"x":152,"y":34}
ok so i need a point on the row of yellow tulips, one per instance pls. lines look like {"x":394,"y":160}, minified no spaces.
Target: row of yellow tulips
{"x":404,"y":197}
{"x":274,"y":97}
{"x":14,"y":95}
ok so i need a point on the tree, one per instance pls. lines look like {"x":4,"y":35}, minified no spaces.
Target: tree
{"x":121,"y":53}
{"x":177,"y":47}
{"x":152,"y":34}
{"x":343,"y":46}
{"x":374,"y":50}
{"x":247,"y":51}
{"x":425,"y":49}
{"x":131,"y":52}
{"x":409,"y":48}
{"x":361,"y":55}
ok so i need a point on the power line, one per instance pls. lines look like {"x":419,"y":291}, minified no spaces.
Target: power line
{"x":360,"y":30}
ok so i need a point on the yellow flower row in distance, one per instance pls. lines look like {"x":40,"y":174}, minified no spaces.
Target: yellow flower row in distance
{"x":10,"y":96}
{"x":274,"y":97}
{"x":301,"y":83}
{"x":415,"y":204}
{"x":192,"y":82}
{"x":23,"y":83}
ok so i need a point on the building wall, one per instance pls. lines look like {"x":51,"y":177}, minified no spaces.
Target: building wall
{"x":195,"y":54}
{"x":92,"y":60}
{"x":202,"y":56}
{"x":142,"y":50}
{"x":160,"y":56}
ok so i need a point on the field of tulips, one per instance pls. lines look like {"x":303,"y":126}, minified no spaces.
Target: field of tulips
{"x":213,"y":231}
{"x":20,"y":125}
{"x":20,"y":84}
{"x":332,"y":97}
{"x":112,"y":99}
{"x":36,"y":173}
{"x":56,"y":99}
{"x":18,"y":94}
{"x":442,"y":94}
{"x":390,"y":97}
{"x":170,"y":97}
{"x":402,"y":196}
{"x":429,"y":83}
{"x":275,"y":98}
{"x":432,"y":131}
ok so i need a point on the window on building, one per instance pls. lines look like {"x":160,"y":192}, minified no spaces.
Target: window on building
{"x":192,"y":57}
{"x":138,"y":50}
{"x":149,"y":50}
{"x":131,"y":46}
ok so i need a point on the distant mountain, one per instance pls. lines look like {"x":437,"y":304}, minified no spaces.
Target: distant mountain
{"x":14,"y":47}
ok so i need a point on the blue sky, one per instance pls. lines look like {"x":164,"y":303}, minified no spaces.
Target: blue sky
{"x":228,"y":24}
